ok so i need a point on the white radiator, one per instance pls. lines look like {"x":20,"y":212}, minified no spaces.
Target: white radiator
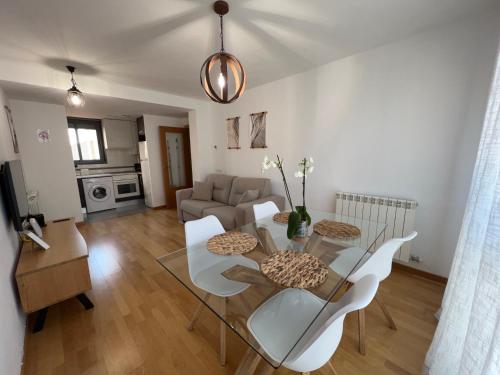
{"x":397,"y":213}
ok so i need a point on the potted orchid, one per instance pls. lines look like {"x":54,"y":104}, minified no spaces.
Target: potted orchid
{"x":299,"y":219}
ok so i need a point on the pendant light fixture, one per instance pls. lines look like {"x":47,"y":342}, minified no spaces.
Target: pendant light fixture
{"x":75,"y":97}
{"x":222,"y":75}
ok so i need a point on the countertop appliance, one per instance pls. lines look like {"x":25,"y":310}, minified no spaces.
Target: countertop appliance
{"x":99,"y":194}
{"x":126,"y":185}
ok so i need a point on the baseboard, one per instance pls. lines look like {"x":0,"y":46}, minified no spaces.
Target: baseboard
{"x":159,"y":207}
{"x":417,"y":272}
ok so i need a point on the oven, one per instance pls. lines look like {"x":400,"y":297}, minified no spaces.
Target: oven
{"x":126,"y":185}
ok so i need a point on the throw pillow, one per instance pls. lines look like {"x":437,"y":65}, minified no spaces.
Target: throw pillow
{"x":249,"y":196}
{"x":202,"y":191}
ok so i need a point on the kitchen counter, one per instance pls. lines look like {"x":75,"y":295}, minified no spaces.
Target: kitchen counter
{"x":95,"y":175}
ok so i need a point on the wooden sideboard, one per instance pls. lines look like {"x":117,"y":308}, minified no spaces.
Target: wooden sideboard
{"x":46,"y":277}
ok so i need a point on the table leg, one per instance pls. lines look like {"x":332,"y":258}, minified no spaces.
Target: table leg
{"x":85,"y":301}
{"x":40,"y":319}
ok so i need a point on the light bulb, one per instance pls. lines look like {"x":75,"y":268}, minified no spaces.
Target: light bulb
{"x":221,"y":81}
{"x":75,"y":99}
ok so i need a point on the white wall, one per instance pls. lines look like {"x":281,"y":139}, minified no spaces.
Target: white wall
{"x":11,"y":316}
{"x":152,"y":130}
{"x":48,"y":167}
{"x":400,"y":120}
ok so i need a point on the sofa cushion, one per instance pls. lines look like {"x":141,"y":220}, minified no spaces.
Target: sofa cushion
{"x":196,"y":208}
{"x":242,"y":184}
{"x":221,"y":186}
{"x":202,"y":191}
{"x":225,"y":214}
{"x":249,"y":196}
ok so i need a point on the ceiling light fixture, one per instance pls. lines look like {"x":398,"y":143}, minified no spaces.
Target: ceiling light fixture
{"x":75,"y":96}
{"x":215,"y":69}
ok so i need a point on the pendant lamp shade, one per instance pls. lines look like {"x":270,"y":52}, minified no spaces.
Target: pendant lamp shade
{"x":75,"y":97}
{"x":222,"y":76}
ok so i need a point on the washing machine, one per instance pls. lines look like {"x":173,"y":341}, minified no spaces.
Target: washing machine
{"x":99,"y":194}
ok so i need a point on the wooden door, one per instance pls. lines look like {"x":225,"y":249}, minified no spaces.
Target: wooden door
{"x":176,"y":162}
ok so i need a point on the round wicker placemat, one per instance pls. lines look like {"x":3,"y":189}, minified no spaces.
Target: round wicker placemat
{"x":294,"y":270}
{"x":232,"y":243}
{"x":281,"y":217}
{"x":336,"y":229}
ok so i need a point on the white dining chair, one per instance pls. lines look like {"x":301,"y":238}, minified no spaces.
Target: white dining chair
{"x":264,"y":210}
{"x":379,"y":264}
{"x":205,"y":270}
{"x":282,"y":320}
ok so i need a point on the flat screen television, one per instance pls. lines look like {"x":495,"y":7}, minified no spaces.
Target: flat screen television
{"x":14,"y":192}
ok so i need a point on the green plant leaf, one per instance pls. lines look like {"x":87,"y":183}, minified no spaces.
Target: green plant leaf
{"x":293,"y":224}
{"x":304,"y":215}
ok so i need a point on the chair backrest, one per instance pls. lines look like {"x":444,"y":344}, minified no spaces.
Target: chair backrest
{"x":323,"y":337}
{"x":263,"y":210}
{"x":198,"y":232}
{"x":202,"y":229}
{"x":380,"y":262}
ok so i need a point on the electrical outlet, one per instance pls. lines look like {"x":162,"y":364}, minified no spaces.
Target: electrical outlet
{"x":415,"y":258}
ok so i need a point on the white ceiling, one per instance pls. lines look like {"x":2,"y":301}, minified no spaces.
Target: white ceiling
{"x":161,"y":44}
{"x":96,"y":106}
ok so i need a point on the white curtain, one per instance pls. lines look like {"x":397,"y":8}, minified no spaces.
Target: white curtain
{"x":467,"y":339}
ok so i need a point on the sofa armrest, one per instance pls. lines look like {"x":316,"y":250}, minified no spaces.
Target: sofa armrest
{"x":180,"y":195}
{"x":244,"y":211}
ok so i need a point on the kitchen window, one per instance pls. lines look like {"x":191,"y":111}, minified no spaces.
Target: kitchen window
{"x":86,"y":141}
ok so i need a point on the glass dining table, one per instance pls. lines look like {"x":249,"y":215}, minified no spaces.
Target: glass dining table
{"x":272,"y":237}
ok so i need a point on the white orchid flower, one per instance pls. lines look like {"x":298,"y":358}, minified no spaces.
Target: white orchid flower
{"x":268,"y":164}
{"x":305,"y":167}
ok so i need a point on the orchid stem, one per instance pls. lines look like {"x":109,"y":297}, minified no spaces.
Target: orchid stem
{"x":304,"y":188}
{"x":287,"y":191}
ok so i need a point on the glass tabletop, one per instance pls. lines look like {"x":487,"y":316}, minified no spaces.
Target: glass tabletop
{"x":204,"y":273}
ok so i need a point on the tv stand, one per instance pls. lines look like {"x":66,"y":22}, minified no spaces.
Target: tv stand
{"x":47,"y":277}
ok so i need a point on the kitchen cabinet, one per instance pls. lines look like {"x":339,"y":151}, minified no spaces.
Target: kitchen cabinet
{"x":119,"y":134}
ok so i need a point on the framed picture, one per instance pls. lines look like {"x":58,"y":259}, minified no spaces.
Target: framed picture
{"x":258,"y":133}
{"x":233,"y":133}
{"x":8,"y":113}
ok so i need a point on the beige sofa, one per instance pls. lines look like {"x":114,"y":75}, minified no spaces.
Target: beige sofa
{"x":226,"y":193}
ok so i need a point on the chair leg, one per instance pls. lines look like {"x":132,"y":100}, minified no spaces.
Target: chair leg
{"x":388,"y":316}
{"x":222,"y":351}
{"x":330,"y":364}
{"x":361,"y":328}
{"x":248,"y":363}
{"x":198,"y":311}
{"x":266,"y":369}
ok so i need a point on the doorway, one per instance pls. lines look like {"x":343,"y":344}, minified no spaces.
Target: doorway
{"x":176,"y":162}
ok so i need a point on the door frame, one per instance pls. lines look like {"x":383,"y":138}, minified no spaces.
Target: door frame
{"x":170,"y":200}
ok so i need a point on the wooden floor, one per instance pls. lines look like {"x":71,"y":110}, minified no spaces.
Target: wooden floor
{"x":138,"y":323}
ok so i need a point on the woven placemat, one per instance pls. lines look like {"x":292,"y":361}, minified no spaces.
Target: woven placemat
{"x":232,"y":243}
{"x":281,"y":217}
{"x":294,"y":270}
{"x":336,"y":229}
